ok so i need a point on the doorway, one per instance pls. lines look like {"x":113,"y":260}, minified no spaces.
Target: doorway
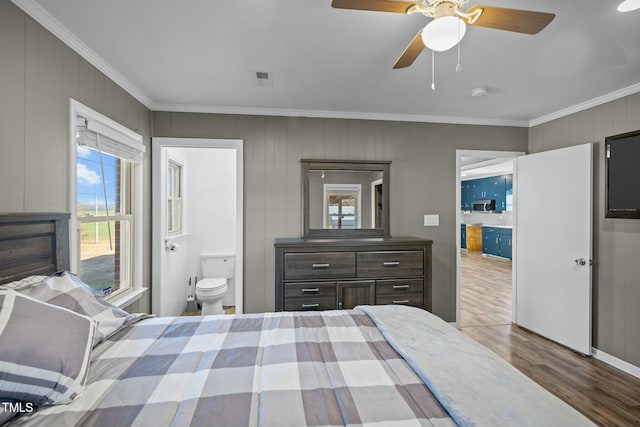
{"x":485,"y":290}
{"x":197,"y":189}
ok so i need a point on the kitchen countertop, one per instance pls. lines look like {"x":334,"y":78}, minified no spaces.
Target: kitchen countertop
{"x":490,"y":225}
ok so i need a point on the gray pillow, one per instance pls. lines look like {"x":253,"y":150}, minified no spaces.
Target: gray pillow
{"x":45,"y":350}
{"x":67,"y":290}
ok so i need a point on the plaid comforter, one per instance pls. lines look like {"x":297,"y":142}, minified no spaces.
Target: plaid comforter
{"x":328,"y":368}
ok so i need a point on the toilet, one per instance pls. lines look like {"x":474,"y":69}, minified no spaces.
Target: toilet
{"x":216,"y":269}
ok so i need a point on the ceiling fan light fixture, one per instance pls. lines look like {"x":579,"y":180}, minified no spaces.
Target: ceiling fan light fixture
{"x":443,"y":33}
{"x":629,"y":5}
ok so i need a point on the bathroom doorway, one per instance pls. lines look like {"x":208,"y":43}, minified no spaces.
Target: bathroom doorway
{"x":485,"y":285}
{"x":197,"y":190}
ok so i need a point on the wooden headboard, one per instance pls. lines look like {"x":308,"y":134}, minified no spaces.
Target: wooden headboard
{"x":33,"y":243}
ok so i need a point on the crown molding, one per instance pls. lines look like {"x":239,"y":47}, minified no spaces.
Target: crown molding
{"x":612,"y":96}
{"x":256,"y":111}
{"x":44,"y":18}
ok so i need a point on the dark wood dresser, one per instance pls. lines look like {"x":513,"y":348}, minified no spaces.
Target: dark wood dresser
{"x":328,"y":274}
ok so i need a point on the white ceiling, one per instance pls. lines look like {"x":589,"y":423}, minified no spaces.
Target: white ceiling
{"x":202,"y":56}
{"x":476,"y":167}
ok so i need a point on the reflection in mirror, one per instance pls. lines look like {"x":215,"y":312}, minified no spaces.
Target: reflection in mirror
{"x":345,"y":198}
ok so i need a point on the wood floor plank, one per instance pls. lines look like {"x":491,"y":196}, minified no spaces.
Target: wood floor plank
{"x":606,"y":395}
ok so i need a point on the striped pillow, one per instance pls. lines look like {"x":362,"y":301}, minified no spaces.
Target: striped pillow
{"x":45,"y":350}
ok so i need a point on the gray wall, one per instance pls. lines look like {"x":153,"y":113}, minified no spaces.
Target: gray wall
{"x":423,"y":177}
{"x":38,"y":75}
{"x":616,"y":271}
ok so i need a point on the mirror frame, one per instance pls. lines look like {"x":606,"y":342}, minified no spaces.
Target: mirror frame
{"x":350,"y":165}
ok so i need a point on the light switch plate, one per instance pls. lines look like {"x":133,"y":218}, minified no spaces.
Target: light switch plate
{"x":432,"y":220}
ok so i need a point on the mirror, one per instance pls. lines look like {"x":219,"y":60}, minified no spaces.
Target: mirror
{"x":345,"y":198}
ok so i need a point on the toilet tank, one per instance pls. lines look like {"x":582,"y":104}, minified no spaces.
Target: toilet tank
{"x":217,"y":265}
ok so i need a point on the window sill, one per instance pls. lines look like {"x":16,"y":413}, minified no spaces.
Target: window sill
{"x":128,"y":298}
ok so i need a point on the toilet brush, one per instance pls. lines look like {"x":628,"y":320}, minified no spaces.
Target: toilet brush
{"x":191,"y":302}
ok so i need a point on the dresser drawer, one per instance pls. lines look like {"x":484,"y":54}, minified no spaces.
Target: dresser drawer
{"x":415,"y":300}
{"x":311,"y":304}
{"x":319,"y":265}
{"x":390,"y":264}
{"x":399,"y":286}
{"x":310,"y":290}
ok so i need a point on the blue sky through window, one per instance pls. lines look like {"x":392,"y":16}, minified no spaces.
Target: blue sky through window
{"x":90,"y":192}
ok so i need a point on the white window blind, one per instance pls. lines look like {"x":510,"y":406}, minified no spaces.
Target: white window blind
{"x":110,"y":142}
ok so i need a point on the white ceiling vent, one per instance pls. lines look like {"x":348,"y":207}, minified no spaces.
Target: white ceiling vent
{"x":264,"y":78}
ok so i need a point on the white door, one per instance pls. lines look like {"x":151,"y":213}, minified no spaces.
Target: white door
{"x":553,"y":245}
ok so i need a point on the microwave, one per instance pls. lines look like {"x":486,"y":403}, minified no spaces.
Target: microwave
{"x":484,"y":205}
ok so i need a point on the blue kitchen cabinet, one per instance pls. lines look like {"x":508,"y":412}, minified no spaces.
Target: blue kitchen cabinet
{"x":463,"y":236}
{"x":466,"y":195}
{"x":509,"y":193}
{"x":506,"y":243}
{"x":490,"y":241}
{"x":497,"y":241}
{"x":480,"y":188}
{"x":496,"y":188}
{"x":476,"y":190}
{"x":464,"y":191}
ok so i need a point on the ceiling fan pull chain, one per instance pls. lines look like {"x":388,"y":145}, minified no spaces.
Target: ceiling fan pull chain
{"x":433,"y":70}
{"x":458,"y":67}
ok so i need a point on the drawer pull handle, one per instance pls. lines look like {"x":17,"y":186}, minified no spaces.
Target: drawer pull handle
{"x":310,"y":305}
{"x":398,"y":287}
{"x":391,"y":263}
{"x":323,"y":265}
{"x":310,"y":290}
{"x":401,"y":301}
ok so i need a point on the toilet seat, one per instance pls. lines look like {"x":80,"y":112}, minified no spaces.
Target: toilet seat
{"x":211,"y":287}
{"x":211,"y":283}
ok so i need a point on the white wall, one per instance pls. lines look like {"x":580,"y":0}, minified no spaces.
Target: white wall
{"x":210,"y":205}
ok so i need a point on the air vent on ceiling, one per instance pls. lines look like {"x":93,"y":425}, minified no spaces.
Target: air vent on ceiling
{"x":264,"y":78}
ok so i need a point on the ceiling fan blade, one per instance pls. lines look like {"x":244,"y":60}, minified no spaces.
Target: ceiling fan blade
{"x":411,"y":52}
{"x":519,"y":21}
{"x":374,"y":5}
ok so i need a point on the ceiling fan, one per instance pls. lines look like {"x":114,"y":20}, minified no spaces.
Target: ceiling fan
{"x":450,"y":20}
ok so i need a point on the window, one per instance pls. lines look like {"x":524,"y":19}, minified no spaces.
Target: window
{"x":342,"y":206}
{"x":174,"y":197}
{"x":106,"y":248}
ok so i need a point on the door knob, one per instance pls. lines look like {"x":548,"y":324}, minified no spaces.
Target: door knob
{"x":580,"y":261}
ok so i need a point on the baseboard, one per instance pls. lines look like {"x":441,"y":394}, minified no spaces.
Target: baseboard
{"x":615,"y":362}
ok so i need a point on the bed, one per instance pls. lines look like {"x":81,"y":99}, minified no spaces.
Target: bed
{"x":67,"y":357}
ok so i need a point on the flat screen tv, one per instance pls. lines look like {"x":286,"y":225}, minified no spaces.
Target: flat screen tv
{"x":622,"y":153}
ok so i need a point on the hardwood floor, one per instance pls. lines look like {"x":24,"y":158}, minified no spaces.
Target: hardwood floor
{"x":485,"y":297}
{"x":606,"y":395}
